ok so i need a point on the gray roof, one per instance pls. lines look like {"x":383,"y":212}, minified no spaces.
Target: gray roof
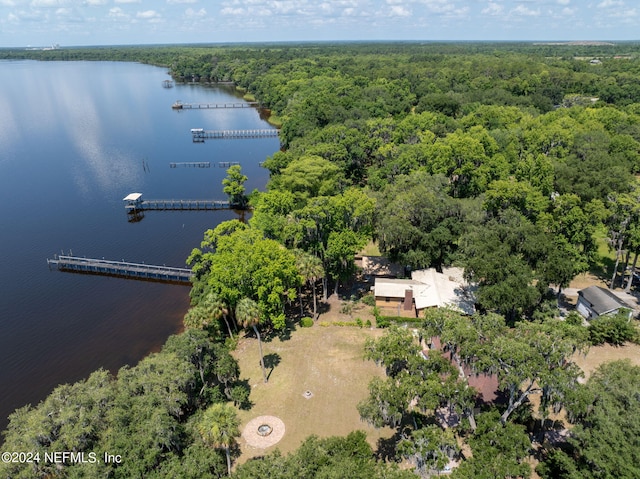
{"x":601,"y":300}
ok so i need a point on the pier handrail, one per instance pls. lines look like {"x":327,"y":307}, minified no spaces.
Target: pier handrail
{"x":95,"y":261}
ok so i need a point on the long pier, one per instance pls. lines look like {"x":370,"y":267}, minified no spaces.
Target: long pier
{"x":133,"y":202}
{"x":209,"y":106}
{"x":200,"y":134}
{"x":141,"y":271}
{"x":191,"y":164}
{"x":163,"y":205}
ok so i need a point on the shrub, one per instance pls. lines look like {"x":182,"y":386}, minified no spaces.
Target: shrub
{"x":306,"y":322}
{"x":367,"y":323}
{"x":612,"y":329}
{"x":359,"y":322}
{"x":382,"y":322}
{"x":574,"y":319}
{"x":369,"y":300}
{"x":346,"y":308}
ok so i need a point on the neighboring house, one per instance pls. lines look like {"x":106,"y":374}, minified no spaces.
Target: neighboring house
{"x":426,"y":289}
{"x":595,"y":301}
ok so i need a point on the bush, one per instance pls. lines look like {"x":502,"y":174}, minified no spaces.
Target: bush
{"x":347,"y":308}
{"x":574,"y":319}
{"x":367,"y":323}
{"x":306,"y":322}
{"x":612,"y":329}
{"x":382,"y":322}
{"x":359,"y":322}
{"x":369,"y":300}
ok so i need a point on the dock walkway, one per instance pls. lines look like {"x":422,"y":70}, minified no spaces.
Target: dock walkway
{"x":200,"y":134}
{"x":191,"y":164}
{"x":211,"y":106}
{"x":133,"y":202}
{"x":121,"y":268}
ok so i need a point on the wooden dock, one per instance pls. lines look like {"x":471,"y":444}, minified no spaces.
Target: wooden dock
{"x":227,"y":164}
{"x":133,"y":203}
{"x":209,"y":106}
{"x":164,"y":205}
{"x":191,"y":164}
{"x":124,"y":269}
{"x":199,"y":134}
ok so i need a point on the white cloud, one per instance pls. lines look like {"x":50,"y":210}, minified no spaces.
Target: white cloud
{"x":610,"y":3}
{"x":127,"y":1}
{"x":191,"y":13}
{"x":171,"y":2}
{"x":95,"y":3}
{"x":564,"y":2}
{"x":47,"y":3}
{"x":523,"y":11}
{"x":625,"y":14}
{"x":400,"y":11}
{"x":148,"y":15}
{"x":232,"y":11}
{"x":118,"y":13}
{"x":493,"y":9}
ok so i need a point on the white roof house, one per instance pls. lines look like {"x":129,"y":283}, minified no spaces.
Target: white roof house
{"x":429,"y":289}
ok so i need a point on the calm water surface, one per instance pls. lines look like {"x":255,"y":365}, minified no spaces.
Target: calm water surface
{"x":73,"y":139}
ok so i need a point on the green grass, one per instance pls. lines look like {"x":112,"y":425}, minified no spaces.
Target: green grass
{"x":606,"y":256}
{"x":371,"y":249}
{"x":275,"y":120}
{"x":329,"y":362}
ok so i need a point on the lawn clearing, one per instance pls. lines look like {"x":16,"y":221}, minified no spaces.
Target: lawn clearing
{"x":327,"y":362}
{"x":606,"y":353}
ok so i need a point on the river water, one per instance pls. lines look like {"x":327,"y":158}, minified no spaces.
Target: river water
{"x":76,"y":138}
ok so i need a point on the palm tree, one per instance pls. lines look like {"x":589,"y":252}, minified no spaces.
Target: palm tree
{"x":217,"y":309}
{"x":197,"y":317}
{"x":219,"y":428}
{"x":248,"y":314}
{"x":311,"y":270}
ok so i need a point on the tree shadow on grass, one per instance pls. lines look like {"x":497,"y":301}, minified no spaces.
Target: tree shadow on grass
{"x":284,"y":334}
{"x":270,"y":362}
{"x":386,"y":447}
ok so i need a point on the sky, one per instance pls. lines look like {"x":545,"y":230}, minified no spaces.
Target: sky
{"x":125,"y":22}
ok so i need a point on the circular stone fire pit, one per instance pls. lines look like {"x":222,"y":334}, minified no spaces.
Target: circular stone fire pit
{"x":263,"y":431}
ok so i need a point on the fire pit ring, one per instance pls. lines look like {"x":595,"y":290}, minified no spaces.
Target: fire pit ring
{"x":263,"y":432}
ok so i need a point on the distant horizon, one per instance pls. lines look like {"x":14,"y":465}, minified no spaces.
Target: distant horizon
{"x":41,"y":23}
{"x":312,"y":42}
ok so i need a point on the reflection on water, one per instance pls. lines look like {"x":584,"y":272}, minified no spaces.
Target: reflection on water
{"x":73,"y":141}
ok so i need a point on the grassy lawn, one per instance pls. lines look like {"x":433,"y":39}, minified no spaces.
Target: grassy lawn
{"x":606,"y":353}
{"x":324,"y":360}
{"x":371,"y":249}
{"x":606,"y":256}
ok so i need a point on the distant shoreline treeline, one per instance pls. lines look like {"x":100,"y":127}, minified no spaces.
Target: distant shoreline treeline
{"x":516,"y":161}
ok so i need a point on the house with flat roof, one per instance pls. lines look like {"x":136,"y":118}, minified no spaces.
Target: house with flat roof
{"x":596,"y":301}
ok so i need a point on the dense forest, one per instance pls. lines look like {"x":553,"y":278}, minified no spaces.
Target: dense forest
{"x":517,"y":162}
